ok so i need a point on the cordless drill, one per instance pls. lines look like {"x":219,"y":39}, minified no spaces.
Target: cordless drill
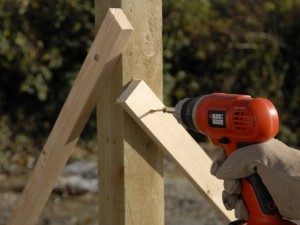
{"x":234,"y":121}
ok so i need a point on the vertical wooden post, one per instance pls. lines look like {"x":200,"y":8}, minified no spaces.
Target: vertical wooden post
{"x":130,"y":164}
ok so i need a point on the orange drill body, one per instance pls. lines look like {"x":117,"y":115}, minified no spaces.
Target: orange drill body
{"x":233,"y":121}
{"x":239,"y":118}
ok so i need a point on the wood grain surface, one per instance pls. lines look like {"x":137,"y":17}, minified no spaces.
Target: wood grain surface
{"x":130,"y":164}
{"x":95,"y":71}
{"x":140,"y":102}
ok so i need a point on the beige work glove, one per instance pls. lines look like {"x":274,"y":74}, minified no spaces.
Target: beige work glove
{"x":279,"y":168}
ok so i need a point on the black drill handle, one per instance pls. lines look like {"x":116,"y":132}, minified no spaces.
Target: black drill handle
{"x":264,"y":198}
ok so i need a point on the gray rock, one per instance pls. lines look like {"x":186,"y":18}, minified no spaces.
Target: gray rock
{"x":78,"y":177}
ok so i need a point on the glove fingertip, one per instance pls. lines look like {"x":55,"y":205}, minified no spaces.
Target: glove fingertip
{"x":217,"y":163}
{"x":229,"y":200}
{"x":214,"y":168}
{"x":241,"y":211}
{"x":233,"y":186}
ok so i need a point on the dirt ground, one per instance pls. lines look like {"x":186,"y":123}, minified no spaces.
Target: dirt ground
{"x":183,"y":204}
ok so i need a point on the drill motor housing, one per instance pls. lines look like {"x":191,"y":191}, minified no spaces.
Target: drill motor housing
{"x":233,"y":121}
{"x":229,"y":119}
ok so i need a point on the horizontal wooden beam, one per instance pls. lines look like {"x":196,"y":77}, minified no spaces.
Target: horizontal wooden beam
{"x":98,"y":65}
{"x":141,"y":102}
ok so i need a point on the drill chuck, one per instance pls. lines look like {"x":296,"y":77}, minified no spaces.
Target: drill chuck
{"x":184,"y":112}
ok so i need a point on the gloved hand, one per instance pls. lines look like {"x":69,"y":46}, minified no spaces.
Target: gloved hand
{"x":279,"y":168}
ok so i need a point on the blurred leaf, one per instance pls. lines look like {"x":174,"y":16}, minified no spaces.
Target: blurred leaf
{"x":247,"y":47}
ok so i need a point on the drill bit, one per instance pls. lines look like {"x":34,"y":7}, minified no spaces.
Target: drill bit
{"x":164,"y":109}
{"x":169,"y":110}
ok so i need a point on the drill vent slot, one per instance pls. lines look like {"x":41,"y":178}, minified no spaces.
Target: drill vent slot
{"x":242,"y":121}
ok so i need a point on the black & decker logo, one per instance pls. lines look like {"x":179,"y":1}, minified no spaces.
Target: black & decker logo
{"x":217,"y":118}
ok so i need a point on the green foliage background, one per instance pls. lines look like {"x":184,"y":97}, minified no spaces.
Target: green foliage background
{"x":42,"y":46}
{"x":248,"y":47}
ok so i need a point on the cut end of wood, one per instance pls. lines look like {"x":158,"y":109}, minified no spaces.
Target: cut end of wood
{"x":121,"y":18}
{"x":125,"y":26}
{"x":126,"y":94}
{"x":116,"y":25}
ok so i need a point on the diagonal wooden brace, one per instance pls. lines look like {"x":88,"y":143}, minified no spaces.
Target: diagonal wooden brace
{"x":98,"y":65}
{"x":140,"y":102}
